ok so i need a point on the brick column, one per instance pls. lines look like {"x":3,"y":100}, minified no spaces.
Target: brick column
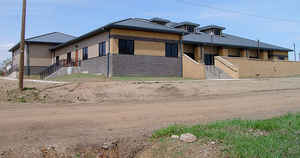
{"x":198,"y":56}
{"x":223,"y":52}
{"x":114,"y":46}
{"x":264,"y":55}
{"x":244,"y":53}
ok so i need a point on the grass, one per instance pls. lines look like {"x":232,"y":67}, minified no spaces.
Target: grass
{"x":94,"y":77}
{"x":140,"y":78}
{"x":78,"y":77}
{"x":272,"y":138}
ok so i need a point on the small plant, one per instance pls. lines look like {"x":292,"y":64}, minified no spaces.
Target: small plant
{"x":29,"y":89}
{"x":21,"y":99}
{"x":248,"y":138}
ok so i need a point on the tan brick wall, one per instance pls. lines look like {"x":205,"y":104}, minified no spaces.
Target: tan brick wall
{"x":92,"y":43}
{"x":143,"y":47}
{"x":40,"y":55}
{"x":211,"y":50}
{"x":260,"y":68}
{"x":133,"y":33}
{"x":149,"y":48}
{"x":223,"y":52}
{"x":252,"y":53}
{"x":234,"y":51}
{"x":114,"y":46}
{"x":193,"y":69}
{"x":244,"y":53}
{"x":280,"y":53}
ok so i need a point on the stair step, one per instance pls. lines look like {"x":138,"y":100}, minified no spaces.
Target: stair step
{"x":212,"y":72}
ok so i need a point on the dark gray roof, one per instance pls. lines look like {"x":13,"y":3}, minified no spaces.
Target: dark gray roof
{"x":210,"y":27}
{"x":143,"y":24}
{"x":185,"y":23}
{"x":228,"y":40}
{"x":160,"y":20}
{"x":131,"y":23}
{"x":54,"y":37}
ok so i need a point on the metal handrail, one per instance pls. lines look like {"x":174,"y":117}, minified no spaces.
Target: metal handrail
{"x":227,"y":63}
{"x":56,"y":66}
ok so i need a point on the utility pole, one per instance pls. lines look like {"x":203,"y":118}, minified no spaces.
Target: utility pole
{"x":22,"y":48}
{"x":295,"y":54}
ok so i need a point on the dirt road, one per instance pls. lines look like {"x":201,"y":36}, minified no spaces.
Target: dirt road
{"x":27,"y":127}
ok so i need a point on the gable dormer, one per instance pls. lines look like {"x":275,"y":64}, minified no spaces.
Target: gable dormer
{"x":188,"y":26}
{"x":160,"y":21}
{"x":212,"y":30}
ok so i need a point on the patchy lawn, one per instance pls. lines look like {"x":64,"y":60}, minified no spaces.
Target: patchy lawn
{"x":79,"y":77}
{"x":140,"y":78}
{"x":272,"y":138}
{"x":94,"y":77}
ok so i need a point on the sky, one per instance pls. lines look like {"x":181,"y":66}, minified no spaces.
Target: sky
{"x":275,"y":22}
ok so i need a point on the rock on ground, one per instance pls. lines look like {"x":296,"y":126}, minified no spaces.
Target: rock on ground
{"x":188,"y":137}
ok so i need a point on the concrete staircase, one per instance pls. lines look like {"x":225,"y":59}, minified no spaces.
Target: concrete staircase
{"x":64,"y":71}
{"x":212,"y":72}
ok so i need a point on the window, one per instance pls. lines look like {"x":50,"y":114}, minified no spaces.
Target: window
{"x":171,"y":50}
{"x":126,"y":47}
{"x":102,"y":49}
{"x":217,"y":32}
{"x":85,"y":54}
{"x":190,"y":28}
{"x":281,"y":57}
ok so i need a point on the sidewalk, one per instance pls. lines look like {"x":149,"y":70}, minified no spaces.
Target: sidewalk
{"x":39,"y":81}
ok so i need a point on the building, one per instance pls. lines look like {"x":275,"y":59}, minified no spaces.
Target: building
{"x":37,"y":55}
{"x":160,"y":47}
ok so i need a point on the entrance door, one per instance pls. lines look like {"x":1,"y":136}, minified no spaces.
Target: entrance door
{"x":57,"y":60}
{"x":69,"y":55}
{"x":209,"y":59}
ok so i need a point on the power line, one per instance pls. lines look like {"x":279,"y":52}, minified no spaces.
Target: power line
{"x":203,"y":5}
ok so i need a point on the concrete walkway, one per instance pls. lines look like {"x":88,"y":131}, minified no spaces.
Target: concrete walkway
{"x":26,"y":80}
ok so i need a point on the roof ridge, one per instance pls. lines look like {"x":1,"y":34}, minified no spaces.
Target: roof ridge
{"x":65,"y":34}
{"x":158,"y":24}
{"x":40,"y":35}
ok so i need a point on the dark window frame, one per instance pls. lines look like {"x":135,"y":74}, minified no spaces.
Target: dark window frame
{"x":102,"y":49}
{"x":126,"y":47}
{"x":171,"y":50}
{"x":85,"y":53}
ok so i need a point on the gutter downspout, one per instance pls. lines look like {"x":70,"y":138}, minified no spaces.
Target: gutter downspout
{"x":181,"y":55}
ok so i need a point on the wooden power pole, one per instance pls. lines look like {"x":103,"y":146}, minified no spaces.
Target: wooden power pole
{"x":295,"y":54}
{"x":22,"y":47}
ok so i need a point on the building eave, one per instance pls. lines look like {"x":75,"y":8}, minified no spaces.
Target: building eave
{"x":233,"y":46}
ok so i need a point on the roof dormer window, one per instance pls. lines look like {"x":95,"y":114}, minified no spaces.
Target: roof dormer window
{"x":212,"y":30}
{"x":188,"y":26}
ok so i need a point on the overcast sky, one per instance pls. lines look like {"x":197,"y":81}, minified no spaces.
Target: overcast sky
{"x":276,"y":22}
